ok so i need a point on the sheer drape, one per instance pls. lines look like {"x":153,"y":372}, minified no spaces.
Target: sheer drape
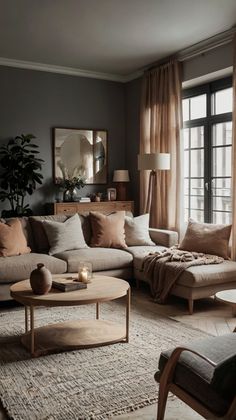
{"x":161,"y":121}
{"x":234,"y":159}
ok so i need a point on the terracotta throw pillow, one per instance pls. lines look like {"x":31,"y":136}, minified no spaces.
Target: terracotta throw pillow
{"x":207,"y":238}
{"x":12,"y":239}
{"x":108,"y":230}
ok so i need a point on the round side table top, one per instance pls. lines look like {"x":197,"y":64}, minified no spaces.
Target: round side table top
{"x":101,"y":289}
{"x":227,"y":296}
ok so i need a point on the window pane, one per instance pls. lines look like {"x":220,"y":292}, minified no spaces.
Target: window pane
{"x":197,"y":202}
{"x":222,"y":218}
{"x":186,"y":164}
{"x":185,"y":105}
{"x":186,"y":138}
{"x":197,"y":187}
{"x":197,"y":215}
{"x":197,"y":137}
{"x":222,"y":203}
{"x":222,"y":161}
{"x":221,"y":186}
{"x":186,"y":186}
{"x":222,"y":134}
{"x":197,"y":163}
{"x":222,"y":101}
{"x":198,"y":107}
{"x":186,"y":201}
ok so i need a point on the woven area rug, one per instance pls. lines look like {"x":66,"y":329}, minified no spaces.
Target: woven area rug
{"x":94,"y":383}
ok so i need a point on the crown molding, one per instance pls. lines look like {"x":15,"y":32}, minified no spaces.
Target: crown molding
{"x":71,"y":71}
{"x":199,"y":48}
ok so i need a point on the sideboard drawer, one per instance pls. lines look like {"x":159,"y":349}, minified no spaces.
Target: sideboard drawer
{"x":65,"y":208}
{"x":83,"y":208}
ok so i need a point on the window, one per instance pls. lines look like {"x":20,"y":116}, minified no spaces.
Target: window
{"x":207,"y":133}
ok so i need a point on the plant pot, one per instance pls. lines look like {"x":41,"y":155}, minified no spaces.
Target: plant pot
{"x":71,"y":194}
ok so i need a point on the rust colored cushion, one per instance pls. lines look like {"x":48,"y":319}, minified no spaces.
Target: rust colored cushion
{"x":207,"y":238}
{"x":12,"y":239}
{"x":108,"y":231}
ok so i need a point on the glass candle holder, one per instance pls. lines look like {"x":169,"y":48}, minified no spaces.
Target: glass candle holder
{"x":85,"y":272}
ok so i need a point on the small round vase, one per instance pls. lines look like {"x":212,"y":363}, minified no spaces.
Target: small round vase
{"x":71,"y":194}
{"x":41,"y":280}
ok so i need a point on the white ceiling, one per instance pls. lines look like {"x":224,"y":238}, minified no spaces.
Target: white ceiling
{"x":112,"y":36}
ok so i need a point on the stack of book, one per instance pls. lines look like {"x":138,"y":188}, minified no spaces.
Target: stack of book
{"x":84,"y":200}
{"x":68,"y":284}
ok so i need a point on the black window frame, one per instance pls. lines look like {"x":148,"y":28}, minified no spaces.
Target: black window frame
{"x":208,"y":122}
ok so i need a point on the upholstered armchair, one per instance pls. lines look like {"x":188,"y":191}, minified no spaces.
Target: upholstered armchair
{"x":202,"y":375}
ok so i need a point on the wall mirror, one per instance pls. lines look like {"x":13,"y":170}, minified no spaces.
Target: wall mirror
{"x":80,"y":152}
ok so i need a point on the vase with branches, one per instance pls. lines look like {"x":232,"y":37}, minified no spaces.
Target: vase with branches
{"x":20,"y":172}
{"x":70,"y":181}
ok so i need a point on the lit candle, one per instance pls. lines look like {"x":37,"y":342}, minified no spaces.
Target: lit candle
{"x":83,"y":275}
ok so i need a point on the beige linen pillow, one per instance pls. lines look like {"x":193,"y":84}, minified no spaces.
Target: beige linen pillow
{"x":108,"y":230}
{"x":64,"y":236}
{"x":136,"y":230}
{"x":207,"y":238}
{"x":12,"y":239}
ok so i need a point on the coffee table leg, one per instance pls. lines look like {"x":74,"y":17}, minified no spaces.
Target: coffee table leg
{"x":127,"y":314}
{"x":97,"y":310}
{"x":32,"y":329}
{"x":26,"y":319}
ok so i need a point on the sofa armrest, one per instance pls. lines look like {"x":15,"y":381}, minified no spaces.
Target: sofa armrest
{"x":163,"y":237}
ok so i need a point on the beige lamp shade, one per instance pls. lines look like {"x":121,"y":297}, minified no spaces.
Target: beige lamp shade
{"x":121,"y":175}
{"x":153,"y":161}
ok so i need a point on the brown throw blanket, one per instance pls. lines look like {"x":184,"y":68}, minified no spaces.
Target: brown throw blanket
{"x":163,"y":269}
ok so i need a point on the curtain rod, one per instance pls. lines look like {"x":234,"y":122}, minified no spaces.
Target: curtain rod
{"x":199,"y":48}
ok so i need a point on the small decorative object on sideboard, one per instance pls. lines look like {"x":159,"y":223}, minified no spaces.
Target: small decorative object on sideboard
{"x":41,"y":280}
{"x":85,"y":272}
{"x":111,"y":194}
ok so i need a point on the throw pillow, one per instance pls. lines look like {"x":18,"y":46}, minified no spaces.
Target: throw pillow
{"x":136,"y":230}
{"x":64,"y":236}
{"x":108,"y":231}
{"x":207,"y":238}
{"x":12,"y":239}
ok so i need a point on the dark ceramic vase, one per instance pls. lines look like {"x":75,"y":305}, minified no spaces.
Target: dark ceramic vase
{"x":41,"y":280}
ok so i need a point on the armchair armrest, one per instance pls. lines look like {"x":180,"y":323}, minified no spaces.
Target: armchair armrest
{"x":164,"y":237}
{"x":168,"y":372}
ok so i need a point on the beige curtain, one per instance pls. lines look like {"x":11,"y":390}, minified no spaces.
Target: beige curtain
{"x":234,"y":158}
{"x":161,"y":121}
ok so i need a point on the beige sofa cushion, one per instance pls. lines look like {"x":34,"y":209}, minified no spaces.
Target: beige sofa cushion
{"x":101,"y":258}
{"x":139,"y":252}
{"x":19,"y":267}
{"x":207,"y":238}
{"x":206,"y":275}
{"x":137,"y":230}
{"x":64,"y":236}
{"x":40,"y":237}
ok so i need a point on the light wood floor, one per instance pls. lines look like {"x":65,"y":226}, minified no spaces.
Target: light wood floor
{"x":209,"y":315}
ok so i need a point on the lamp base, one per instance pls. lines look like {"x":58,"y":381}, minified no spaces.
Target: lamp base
{"x":121,"y":191}
{"x":151,"y":183}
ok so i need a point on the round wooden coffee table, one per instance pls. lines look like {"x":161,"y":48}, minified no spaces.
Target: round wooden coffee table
{"x":229,"y":297}
{"x":73,"y":334}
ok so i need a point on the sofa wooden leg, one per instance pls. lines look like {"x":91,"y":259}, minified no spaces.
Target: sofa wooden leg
{"x":190,"y":306}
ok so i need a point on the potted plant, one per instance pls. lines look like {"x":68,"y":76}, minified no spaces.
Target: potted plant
{"x":71,"y":182}
{"x":19,"y":173}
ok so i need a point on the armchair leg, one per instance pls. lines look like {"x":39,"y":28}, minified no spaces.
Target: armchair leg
{"x":190,"y":306}
{"x":162,"y":399}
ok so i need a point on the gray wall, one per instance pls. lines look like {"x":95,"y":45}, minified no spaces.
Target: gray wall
{"x":212,"y":61}
{"x":35,"y":102}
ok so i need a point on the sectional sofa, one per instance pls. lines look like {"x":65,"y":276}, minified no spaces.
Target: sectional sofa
{"x":195,"y":283}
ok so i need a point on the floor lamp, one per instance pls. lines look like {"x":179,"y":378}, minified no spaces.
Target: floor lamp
{"x":153,"y":162}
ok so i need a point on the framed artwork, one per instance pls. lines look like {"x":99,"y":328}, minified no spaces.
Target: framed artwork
{"x":80,"y":152}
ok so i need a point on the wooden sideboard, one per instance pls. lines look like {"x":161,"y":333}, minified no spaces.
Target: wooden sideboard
{"x":102,"y":207}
